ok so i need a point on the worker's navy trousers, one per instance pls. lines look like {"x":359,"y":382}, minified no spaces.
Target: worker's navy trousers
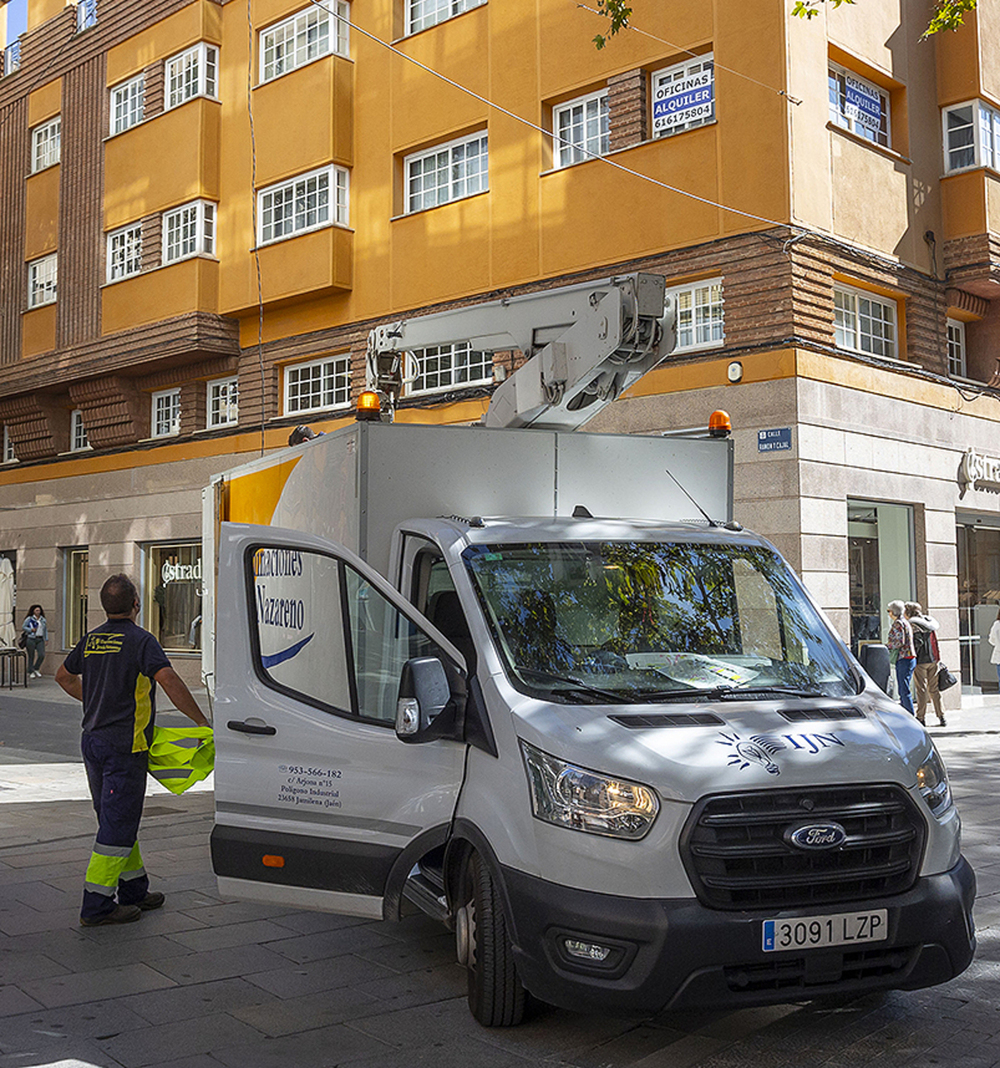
{"x":118,"y":786}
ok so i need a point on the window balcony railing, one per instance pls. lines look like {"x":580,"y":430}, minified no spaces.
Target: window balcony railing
{"x":11,"y":60}
{"x":86,"y":15}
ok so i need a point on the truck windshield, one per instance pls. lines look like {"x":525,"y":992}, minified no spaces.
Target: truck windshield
{"x":642,"y":621}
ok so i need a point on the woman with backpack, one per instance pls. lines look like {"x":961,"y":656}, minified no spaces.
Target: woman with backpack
{"x":36,"y":630}
{"x":900,"y":642}
{"x":925,"y":671}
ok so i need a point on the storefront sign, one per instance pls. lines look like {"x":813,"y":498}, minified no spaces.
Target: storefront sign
{"x":684,"y":101}
{"x":863,"y":104}
{"x":171,"y":572}
{"x":777,"y":440}
{"x":980,"y":472}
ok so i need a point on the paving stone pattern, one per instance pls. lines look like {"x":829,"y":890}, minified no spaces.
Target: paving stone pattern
{"x":207,"y":982}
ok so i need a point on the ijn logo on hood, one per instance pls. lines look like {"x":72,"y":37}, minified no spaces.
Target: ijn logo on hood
{"x":814,"y":836}
{"x":763,"y":749}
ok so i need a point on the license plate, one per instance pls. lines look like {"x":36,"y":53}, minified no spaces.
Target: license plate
{"x":814,"y":932}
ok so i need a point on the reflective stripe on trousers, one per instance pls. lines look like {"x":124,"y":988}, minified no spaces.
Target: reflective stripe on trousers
{"x":110,"y":865}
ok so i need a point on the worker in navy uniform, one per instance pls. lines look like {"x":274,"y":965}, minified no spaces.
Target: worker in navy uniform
{"x":114,"y":671}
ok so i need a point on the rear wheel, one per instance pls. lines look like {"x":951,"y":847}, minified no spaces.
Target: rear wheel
{"x":496,"y":997}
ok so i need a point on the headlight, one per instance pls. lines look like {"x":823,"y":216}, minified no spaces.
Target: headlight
{"x":584,"y":800}
{"x":933,"y":782}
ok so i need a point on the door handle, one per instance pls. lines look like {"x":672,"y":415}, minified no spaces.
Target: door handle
{"x":250,"y":728}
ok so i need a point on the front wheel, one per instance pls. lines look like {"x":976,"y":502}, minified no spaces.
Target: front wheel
{"x":496,"y":997}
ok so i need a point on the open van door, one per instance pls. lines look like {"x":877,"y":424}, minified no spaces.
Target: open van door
{"x":319,"y":802}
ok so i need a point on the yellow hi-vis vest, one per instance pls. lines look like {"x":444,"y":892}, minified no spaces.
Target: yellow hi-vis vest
{"x":181,"y":756}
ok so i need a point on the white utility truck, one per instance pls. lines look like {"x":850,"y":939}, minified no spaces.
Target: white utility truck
{"x":519,"y":679}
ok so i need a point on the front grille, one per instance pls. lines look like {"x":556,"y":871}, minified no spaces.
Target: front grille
{"x":734,"y":848}
{"x":792,"y":974}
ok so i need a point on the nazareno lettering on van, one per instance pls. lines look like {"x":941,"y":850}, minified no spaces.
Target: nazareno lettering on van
{"x":277,"y":563}
{"x":286,"y":612}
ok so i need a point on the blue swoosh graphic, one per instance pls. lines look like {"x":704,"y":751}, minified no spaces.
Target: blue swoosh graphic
{"x":286,"y":654}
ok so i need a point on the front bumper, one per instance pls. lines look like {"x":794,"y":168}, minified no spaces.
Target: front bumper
{"x":672,"y":954}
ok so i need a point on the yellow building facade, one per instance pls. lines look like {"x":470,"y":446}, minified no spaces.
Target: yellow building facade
{"x":209,"y":205}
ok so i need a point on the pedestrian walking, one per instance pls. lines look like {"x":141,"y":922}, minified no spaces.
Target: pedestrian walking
{"x":36,"y":631}
{"x":114,"y":672}
{"x":925,"y":671}
{"x":900,"y":643}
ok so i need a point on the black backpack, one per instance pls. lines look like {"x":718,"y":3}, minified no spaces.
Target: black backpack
{"x":922,"y":645}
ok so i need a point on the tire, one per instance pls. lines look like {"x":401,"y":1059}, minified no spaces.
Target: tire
{"x":496,"y":997}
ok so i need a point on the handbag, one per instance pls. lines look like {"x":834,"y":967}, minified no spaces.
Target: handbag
{"x":22,"y":642}
{"x":945,"y":678}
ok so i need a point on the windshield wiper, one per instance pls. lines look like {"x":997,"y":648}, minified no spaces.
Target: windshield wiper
{"x":578,"y":685}
{"x":730,"y":693}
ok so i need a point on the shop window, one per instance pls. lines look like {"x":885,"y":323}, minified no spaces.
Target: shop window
{"x":128,"y":104}
{"x":301,"y":204}
{"x":423,"y":13}
{"x":978,"y":597}
{"x":864,"y":322}
{"x":192,"y":73}
{"x":859,"y":106}
{"x":76,"y":566}
{"x":189,"y":231}
{"x":881,"y":553}
{"x":42,"y":279}
{"x":956,"y":349}
{"x":173,"y":593}
{"x":8,"y":448}
{"x":971,"y":136}
{"x":166,"y":414}
{"x":699,"y":314}
{"x":580,"y":129}
{"x":77,"y":432}
{"x":447,"y":367}
{"x":306,"y":36}
{"x":447,"y":172}
{"x":222,"y":397}
{"x":317,"y":385}
{"x":683,"y":96}
{"x":125,"y":252}
{"x":46,"y":144}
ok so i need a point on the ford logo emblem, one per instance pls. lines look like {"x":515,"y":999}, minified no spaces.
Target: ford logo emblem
{"x":816,"y":836}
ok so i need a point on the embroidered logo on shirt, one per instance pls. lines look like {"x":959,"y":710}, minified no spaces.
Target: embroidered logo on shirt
{"x":102,"y":644}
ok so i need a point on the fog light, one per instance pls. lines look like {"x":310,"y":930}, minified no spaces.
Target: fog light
{"x":586,"y":950}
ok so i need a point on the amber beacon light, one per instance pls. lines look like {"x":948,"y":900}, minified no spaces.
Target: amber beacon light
{"x":369,"y":406}
{"x":719,"y":424}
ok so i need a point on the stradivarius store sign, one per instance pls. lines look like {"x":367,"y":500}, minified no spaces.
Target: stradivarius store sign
{"x":980,"y":472}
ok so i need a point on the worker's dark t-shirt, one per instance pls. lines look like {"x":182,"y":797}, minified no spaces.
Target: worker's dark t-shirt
{"x":118,"y":660}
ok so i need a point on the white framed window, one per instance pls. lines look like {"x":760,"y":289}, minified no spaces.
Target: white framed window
{"x":306,"y":36}
{"x":189,"y":231}
{"x":10,"y":58}
{"x":192,"y":73}
{"x":128,"y":103}
{"x":971,"y":136}
{"x":42,"y":278}
{"x":858,"y":105}
{"x":222,"y":399}
{"x":447,"y":172}
{"x":423,"y":13}
{"x":305,"y":203}
{"x":86,"y":15}
{"x":8,"y":448}
{"x":45,"y":144}
{"x":125,"y":252}
{"x":77,"y":431}
{"x":956,"y":349}
{"x":700,"y":322}
{"x":864,"y":322}
{"x":683,"y":96}
{"x":319,"y":384}
{"x":447,"y":367}
{"x":580,"y":128}
{"x":166,"y":415}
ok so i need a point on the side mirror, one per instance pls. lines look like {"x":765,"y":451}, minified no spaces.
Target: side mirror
{"x":425,"y":692}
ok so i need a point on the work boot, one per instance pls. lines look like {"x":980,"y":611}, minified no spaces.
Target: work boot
{"x":152,"y":900}
{"x":119,"y":914}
